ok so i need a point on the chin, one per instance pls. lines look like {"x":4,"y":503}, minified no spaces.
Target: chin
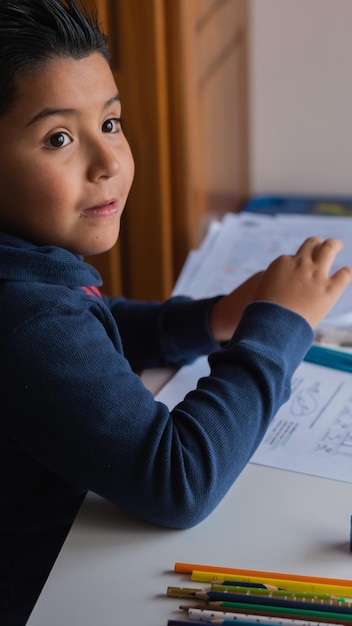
{"x":99,"y":247}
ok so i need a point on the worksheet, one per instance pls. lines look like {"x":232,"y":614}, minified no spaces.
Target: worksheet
{"x":241,"y":244}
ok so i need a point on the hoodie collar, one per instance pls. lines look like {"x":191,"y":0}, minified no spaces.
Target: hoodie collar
{"x":21,"y":260}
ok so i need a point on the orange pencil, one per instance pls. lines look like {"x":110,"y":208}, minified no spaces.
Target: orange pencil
{"x":188,"y":568}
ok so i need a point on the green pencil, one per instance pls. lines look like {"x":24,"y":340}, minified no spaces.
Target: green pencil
{"x":311,"y":598}
{"x":322,"y":598}
{"x":240,"y":607}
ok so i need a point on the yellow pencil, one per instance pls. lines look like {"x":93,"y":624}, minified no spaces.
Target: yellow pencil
{"x":289,"y":585}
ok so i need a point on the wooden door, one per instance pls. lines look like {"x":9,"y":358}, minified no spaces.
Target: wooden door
{"x":208,"y":66}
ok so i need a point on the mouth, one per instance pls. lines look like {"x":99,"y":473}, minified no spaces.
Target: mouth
{"x":108,"y":208}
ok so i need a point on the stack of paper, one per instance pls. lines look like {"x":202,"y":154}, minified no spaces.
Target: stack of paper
{"x":244,"y":243}
{"x":312,"y":432}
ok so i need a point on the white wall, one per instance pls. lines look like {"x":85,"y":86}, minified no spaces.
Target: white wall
{"x":301,"y":96}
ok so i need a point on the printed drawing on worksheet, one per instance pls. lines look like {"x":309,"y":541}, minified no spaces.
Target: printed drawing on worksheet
{"x":312,"y":432}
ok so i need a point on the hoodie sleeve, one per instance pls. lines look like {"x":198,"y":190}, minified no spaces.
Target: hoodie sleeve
{"x":71,"y":403}
{"x":171,"y":333}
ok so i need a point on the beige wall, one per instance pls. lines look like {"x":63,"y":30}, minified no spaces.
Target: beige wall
{"x":301,"y":96}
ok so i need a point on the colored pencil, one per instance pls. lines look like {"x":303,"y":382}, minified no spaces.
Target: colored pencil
{"x":183,"y":592}
{"x":223,"y":622}
{"x":246,"y":618}
{"x":182,"y":622}
{"x":188,"y":568}
{"x":288,"y":585}
{"x":218,"y":607}
{"x":259,"y":595}
{"x":251,"y":585}
{"x":322,"y":598}
{"x":188,"y":592}
{"x":309,"y":614}
{"x":225,"y":581}
{"x":231,"y":622}
{"x":272,"y":602}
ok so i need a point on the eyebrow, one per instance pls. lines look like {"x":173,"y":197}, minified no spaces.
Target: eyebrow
{"x":45,"y":113}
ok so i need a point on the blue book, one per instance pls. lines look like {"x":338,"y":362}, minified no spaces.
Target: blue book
{"x":329,"y":357}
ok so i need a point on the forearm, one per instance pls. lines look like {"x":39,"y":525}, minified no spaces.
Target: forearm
{"x":160,"y":334}
{"x":107,"y":433}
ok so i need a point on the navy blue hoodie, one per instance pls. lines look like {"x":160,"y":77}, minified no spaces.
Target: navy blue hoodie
{"x":75,"y":415}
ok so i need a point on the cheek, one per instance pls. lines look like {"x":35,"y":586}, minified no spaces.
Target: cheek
{"x":18,"y":197}
{"x":130,"y":168}
{"x":26,"y":182}
{"x":46,"y":190}
{"x":10,"y":182}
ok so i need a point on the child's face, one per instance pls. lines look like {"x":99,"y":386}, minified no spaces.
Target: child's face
{"x":65,"y":166}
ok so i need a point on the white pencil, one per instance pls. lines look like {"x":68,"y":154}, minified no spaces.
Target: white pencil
{"x":217,"y":617}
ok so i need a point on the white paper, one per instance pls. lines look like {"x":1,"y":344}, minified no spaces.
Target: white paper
{"x":312,"y":432}
{"x":245,"y":243}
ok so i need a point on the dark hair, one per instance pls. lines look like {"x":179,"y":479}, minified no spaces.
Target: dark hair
{"x":34,"y":31}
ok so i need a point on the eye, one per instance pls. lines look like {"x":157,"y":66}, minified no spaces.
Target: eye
{"x":112,"y":125}
{"x":57,"y":140}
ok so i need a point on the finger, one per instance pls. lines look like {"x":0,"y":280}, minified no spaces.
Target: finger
{"x":319,"y":249}
{"x":327,"y":250}
{"x":342,"y":278}
{"x":309,"y":244}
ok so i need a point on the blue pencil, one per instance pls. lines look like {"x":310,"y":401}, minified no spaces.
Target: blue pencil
{"x":236,"y":583}
{"x":226,"y":596}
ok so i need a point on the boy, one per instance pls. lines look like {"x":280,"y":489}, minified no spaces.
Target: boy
{"x":74,"y":415}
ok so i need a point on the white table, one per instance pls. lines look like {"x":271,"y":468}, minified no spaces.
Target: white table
{"x":114,"y":570}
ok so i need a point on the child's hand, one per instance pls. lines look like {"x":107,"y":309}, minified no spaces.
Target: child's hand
{"x":301,"y":282}
{"x":226,"y":313}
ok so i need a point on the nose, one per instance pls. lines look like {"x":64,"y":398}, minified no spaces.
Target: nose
{"x":103,"y":161}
